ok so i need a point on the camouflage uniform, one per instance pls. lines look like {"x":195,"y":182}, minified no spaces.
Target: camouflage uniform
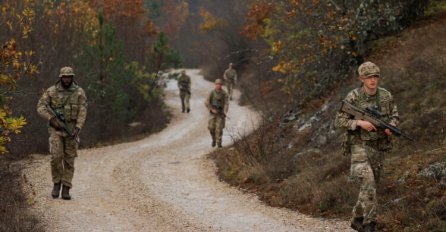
{"x":184,"y":84}
{"x":72,"y":102}
{"x":367,"y":148}
{"x":217,"y":100}
{"x":230,"y":76}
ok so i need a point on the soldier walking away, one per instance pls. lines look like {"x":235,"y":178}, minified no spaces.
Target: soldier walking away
{"x":230,"y":76}
{"x":64,"y":105}
{"x":217,"y":104}
{"x":367,"y":143}
{"x":184,"y":84}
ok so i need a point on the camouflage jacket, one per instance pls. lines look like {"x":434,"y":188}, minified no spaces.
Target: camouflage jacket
{"x":383,"y":100}
{"x":218,"y":100}
{"x":184,"y":83}
{"x":230,"y":75}
{"x":72,"y":102}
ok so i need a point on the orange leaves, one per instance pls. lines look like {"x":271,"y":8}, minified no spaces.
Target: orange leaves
{"x":131,"y":10}
{"x":177,"y":12}
{"x":255,"y":20}
{"x":277,"y":46}
{"x":70,"y":16}
{"x":326,"y":44}
{"x":150,"y":29}
{"x":283,"y":67}
{"x":209,"y":20}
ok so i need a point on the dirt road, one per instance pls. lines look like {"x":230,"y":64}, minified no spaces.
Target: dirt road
{"x":161,"y":183}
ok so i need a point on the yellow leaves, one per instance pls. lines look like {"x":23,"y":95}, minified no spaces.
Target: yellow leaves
{"x":9,"y":24}
{"x":282,"y":67}
{"x":9,"y":125}
{"x":2,"y":148}
{"x":277,"y":46}
{"x":209,"y":20}
{"x":7,"y":81}
{"x":16,"y":124}
{"x":29,"y":13}
{"x":255,"y":18}
{"x":26,"y":30}
{"x":14,"y":62}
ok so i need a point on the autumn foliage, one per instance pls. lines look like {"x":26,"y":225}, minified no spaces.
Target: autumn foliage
{"x":109,"y":43}
{"x":315,"y":43}
{"x":15,"y":62}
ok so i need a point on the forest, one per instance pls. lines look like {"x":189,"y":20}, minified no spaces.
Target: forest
{"x":295,"y":59}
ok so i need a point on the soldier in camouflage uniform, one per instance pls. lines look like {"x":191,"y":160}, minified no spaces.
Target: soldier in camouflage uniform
{"x":217,"y":104}
{"x":230,"y":76}
{"x":367,"y":144}
{"x":184,"y":84}
{"x":68,"y":99}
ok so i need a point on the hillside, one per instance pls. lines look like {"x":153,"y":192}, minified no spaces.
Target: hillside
{"x":296,"y":162}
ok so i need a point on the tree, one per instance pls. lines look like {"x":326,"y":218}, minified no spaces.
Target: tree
{"x":316,"y":43}
{"x":163,"y":55}
{"x":15,"y":20}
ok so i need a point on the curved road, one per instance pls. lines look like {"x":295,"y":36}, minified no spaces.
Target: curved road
{"x":161,"y":183}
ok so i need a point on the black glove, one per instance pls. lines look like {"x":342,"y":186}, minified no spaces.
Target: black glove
{"x":55,"y":123}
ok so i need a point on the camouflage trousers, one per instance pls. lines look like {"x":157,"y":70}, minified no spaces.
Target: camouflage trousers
{"x":216,"y":124}
{"x":63,"y":150}
{"x":185,"y":97}
{"x":230,"y":85}
{"x":365,"y":169}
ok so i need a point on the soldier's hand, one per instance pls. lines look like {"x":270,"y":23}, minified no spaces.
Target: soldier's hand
{"x":55,"y":124}
{"x":214,"y":111}
{"x":366,"y":125}
{"x":388,"y":132}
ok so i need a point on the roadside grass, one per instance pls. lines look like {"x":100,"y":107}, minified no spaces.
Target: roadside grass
{"x":302,"y":168}
{"x":13,"y":204}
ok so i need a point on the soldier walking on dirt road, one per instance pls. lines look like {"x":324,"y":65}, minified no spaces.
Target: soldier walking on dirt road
{"x":217,"y":104}
{"x":184,"y":84}
{"x":230,"y":77}
{"x":64,"y":105}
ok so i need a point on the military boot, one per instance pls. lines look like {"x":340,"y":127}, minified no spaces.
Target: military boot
{"x":56,"y":190}
{"x":356,"y":223}
{"x":369,"y":227}
{"x":66,"y":193}
{"x":219,"y":145}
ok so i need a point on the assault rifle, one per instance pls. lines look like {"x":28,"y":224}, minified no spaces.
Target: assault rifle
{"x":372,"y":115}
{"x":61,"y":118}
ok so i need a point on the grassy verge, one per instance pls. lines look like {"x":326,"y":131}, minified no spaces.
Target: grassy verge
{"x":13,"y":205}
{"x":299,"y":165}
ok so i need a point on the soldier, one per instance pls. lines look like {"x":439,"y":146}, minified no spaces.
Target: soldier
{"x":230,"y":76}
{"x":367,"y":144}
{"x":217,"y":104}
{"x":184,"y":86}
{"x":67,"y":100}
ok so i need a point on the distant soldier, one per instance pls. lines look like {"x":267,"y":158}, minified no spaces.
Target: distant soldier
{"x":367,"y":144}
{"x":230,"y":76}
{"x":184,"y":84}
{"x":64,"y":105}
{"x":217,"y":104}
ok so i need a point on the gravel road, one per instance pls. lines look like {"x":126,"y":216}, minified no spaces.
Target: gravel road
{"x":161,"y":183}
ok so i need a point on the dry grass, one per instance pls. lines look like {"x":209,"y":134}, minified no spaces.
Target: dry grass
{"x":13,"y":205}
{"x":299,"y":170}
